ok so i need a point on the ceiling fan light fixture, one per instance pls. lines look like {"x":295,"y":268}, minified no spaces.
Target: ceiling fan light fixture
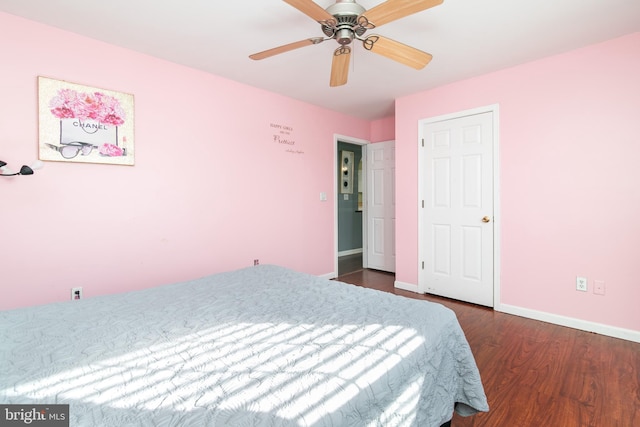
{"x":344,"y":36}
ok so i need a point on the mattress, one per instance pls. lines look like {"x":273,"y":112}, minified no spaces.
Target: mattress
{"x":260,"y":346}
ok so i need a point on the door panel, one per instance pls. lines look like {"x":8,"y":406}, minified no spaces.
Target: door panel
{"x":441,"y":249}
{"x":381,"y":203}
{"x":458,"y":194}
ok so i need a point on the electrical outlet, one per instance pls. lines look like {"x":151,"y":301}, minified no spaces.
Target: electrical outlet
{"x":598,"y":287}
{"x":76,"y":293}
{"x":581,"y":284}
{"x":256,"y":262}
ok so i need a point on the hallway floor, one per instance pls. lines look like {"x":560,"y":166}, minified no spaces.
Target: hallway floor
{"x":349,"y":264}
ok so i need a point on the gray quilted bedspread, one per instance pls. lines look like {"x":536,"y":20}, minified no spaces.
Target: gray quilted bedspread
{"x":261,"y":346}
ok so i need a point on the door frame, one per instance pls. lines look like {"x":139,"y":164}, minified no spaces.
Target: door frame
{"x":493,"y":108}
{"x":355,"y":141}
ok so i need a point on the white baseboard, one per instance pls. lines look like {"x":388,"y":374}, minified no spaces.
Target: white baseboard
{"x":328,"y":276}
{"x":350,"y":252}
{"x":583,"y":325}
{"x":570,"y":322}
{"x":406,"y":286}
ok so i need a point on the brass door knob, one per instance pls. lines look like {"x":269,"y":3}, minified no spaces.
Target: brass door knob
{"x":486,"y":219}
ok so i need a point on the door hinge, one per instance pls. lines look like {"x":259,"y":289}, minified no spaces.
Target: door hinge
{"x":423,"y":265}
{"x":423,"y":204}
{"x":423,"y":142}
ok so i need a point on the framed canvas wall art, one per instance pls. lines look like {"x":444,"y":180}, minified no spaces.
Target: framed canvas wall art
{"x":84,"y":124}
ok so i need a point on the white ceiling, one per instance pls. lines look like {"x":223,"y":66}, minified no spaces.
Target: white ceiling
{"x":465,"y":37}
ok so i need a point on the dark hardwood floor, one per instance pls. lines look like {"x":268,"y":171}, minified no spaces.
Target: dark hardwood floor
{"x":349,"y":264}
{"x":538,"y":374}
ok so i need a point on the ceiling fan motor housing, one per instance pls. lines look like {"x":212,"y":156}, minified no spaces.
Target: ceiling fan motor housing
{"x":346,"y":13}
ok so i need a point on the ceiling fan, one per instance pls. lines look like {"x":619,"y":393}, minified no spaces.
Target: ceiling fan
{"x":346,"y":21}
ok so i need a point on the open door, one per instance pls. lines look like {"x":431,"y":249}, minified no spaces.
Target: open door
{"x":381,"y":206}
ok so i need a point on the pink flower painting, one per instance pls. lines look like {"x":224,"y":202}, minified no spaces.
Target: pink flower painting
{"x":85,"y":124}
{"x":111,"y":150}
{"x":105,"y":109}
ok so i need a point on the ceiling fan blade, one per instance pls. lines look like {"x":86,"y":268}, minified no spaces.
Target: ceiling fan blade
{"x":286,"y":48}
{"x":340,"y":66}
{"x":312,"y":10}
{"x":397,"y":51}
{"x":395,"y":9}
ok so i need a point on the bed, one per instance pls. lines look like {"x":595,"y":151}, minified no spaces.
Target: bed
{"x":260,"y":346}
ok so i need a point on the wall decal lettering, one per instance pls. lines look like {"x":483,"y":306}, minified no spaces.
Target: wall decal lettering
{"x":283,"y":136}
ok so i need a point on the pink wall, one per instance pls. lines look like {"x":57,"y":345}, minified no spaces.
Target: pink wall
{"x":210,"y":190}
{"x":569,"y":175}
{"x":383,"y":129}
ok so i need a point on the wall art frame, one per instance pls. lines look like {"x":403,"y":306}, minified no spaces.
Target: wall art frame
{"x":84,"y":124}
{"x":346,"y":172}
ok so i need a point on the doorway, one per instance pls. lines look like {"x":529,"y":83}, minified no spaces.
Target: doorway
{"x":377,"y":201}
{"x":350,"y":209}
{"x":349,"y":233}
{"x":458,"y":188}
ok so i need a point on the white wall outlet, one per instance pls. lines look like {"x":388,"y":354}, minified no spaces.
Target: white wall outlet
{"x":598,"y":287}
{"x":76,"y":293}
{"x":581,"y":284}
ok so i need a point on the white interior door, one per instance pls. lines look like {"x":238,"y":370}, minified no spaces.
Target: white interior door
{"x":381,"y":206}
{"x":457,"y":215}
